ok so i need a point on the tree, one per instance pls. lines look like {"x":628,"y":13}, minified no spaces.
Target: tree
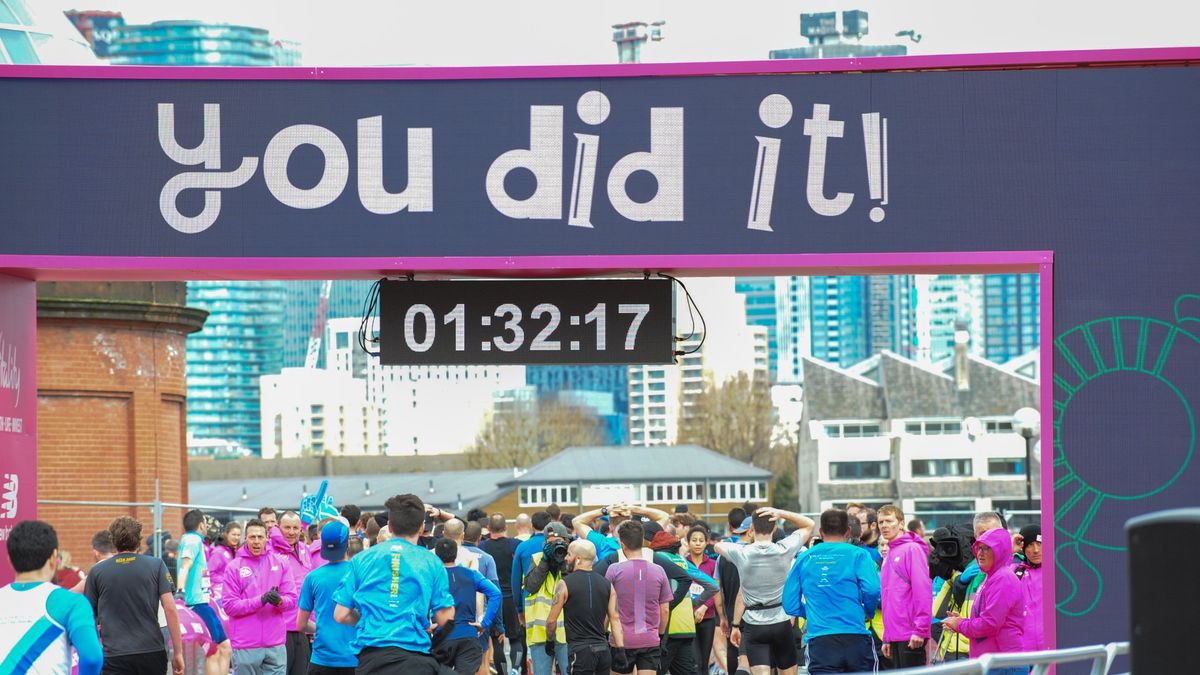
{"x":783,"y":495}
{"x":735,"y":419}
{"x":530,"y":434}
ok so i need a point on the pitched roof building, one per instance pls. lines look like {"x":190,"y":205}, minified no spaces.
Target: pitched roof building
{"x":576,"y":479}
{"x":932,"y":438}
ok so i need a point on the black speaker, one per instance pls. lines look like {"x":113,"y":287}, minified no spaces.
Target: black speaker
{"x":1160,"y":600}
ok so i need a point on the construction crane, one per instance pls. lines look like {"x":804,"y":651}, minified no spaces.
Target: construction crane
{"x":318,"y":329}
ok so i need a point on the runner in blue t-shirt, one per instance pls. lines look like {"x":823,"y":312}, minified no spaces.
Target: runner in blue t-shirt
{"x":192,"y":577}
{"x":394,"y":592}
{"x":333,"y":650}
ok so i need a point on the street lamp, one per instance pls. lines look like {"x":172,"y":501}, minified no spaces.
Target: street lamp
{"x":1028,"y":423}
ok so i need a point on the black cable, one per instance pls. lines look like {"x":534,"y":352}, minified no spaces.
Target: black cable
{"x":370,"y":304}
{"x":691,"y":304}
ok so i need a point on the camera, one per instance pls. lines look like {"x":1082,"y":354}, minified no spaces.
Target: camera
{"x":558,"y":551}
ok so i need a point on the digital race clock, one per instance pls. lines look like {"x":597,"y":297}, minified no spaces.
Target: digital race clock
{"x":598,"y":321}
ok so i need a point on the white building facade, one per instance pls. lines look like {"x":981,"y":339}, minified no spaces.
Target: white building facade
{"x":311,"y":412}
{"x":426,"y":409}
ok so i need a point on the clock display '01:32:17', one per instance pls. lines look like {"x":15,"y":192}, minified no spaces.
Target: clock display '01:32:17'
{"x":526,"y":322}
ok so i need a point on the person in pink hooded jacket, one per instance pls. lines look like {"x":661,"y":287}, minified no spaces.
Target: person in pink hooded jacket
{"x":998,"y":614}
{"x":907,"y":592}
{"x":259,"y":590}
{"x":287,"y":543}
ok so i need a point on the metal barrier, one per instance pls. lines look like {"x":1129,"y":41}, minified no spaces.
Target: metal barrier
{"x":1100,"y":656}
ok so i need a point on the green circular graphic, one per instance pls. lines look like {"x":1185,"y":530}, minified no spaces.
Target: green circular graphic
{"x":1101,"y":358}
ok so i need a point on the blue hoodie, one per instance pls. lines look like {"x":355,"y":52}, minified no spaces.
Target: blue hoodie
{"x":835,"y":587}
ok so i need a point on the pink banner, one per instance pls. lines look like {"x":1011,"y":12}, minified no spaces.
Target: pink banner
{"x":18,"y":410}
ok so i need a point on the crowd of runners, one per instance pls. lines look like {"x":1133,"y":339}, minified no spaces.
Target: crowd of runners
{"x":624,"y":589}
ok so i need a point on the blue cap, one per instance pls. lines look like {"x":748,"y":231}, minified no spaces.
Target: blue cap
{"x":334,"y":538}
{"x":746,"y":524}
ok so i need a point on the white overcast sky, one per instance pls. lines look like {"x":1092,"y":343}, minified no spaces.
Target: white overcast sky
{"x":455,"y":32}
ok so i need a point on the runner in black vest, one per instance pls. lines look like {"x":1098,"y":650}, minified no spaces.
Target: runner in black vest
{"x":501,"y":547}
{"x":588,"y":604}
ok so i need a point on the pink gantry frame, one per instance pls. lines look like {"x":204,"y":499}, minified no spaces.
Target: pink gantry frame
{"x":64,"y":268}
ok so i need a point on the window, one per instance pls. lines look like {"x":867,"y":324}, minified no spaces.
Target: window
{"x":735,"y":491}
{"x":1006,"y":467}
{"x":859,"y":470}
{"x":997,"y":427}
{"x":19,"y":48}
{"x":933,"y":428}
{"x":852,"y":430}
{"x":934,"y":468}
{"x":544,"y":495}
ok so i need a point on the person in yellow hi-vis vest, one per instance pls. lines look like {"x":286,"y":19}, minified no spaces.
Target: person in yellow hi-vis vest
{"x":540,"y":583}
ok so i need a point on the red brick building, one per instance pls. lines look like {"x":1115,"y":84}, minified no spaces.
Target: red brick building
{"x":111,"y":403}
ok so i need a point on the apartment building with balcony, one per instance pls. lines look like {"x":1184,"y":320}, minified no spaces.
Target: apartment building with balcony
{"x":661,"y":396}
{"x":939,"y":440}
{"x":312,"y":412}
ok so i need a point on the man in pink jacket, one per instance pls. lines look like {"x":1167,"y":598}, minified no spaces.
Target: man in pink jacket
{"x":286,"y":543}
{"x":1029,"y":572}
{"x":259,"y":590}
{"x":907,"y":591}
{"x":998,"y":614}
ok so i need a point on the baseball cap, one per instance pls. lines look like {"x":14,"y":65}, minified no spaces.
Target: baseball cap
{"x":745,"y":526}
{"x":650,"y":529}
{"x":557,"y":529}
{"x":334,"y":538}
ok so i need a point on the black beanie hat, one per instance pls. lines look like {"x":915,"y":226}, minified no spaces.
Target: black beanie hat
{"x":1030,"y":534}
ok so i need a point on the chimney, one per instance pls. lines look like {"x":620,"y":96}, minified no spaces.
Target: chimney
{"x":962,"y":362}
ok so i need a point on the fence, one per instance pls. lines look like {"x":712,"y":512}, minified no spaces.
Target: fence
{"x":1100,"y":656}
{"x":156,"y":507}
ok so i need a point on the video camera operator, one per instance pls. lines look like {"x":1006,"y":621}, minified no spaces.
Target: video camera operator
{"x":546,"y":570}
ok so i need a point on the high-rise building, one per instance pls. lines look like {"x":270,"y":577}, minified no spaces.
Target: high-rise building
{"x":838,"y":314}
{"x":630,"y":37}
{"x":833,"y":35}
{"x":1011,"y":315}
{"x":941,"y":301}
{"x":661,"y":396}
{"x":892,"y":305}
{"x":426,"y":409}
{"x":300,"y":309}
{"x":576,"y":381}
{"x":312,"y":411}
{"x":795,"y":329}
{"x":196,"y":43}
{"x":241,"y":341}
{"x":762,"y":309}
{"x":28,"y":36}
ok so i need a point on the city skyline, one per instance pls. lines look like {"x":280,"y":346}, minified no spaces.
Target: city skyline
{"x":840,"y":320}
{"x":474,"y":33}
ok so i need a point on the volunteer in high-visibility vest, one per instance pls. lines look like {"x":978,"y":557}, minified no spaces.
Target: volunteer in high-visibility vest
{"x":546,"y":570}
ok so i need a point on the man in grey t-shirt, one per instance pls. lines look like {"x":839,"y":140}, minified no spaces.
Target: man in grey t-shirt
{"x":126,"y":591}
{"x":764,"y":629}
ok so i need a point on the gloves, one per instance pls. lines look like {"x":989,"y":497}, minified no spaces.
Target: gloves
{"x":620,"y":660}
{"x":550,"y":644}
{"x":272,"y":597}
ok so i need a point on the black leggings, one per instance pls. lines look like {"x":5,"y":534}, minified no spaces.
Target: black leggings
{"x":705,"y":632}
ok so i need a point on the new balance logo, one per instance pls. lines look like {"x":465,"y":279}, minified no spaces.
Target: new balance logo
{"x":8,"y":496}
